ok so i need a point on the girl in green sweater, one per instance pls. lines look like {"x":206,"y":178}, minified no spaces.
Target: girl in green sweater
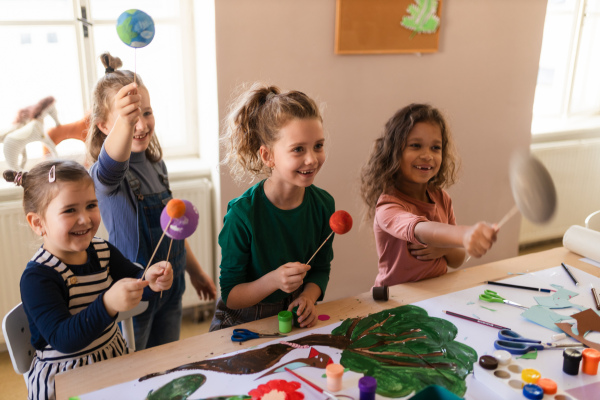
{"x":270,"y":230}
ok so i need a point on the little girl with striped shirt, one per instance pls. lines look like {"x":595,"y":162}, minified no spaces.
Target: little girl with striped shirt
{"x":75,"y":285}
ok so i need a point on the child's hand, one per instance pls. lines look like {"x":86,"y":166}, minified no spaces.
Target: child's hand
{"x":205,"y":287}
{"x":160,"y":276}
{"x":423,"y":253}
{"x":124,"y":295}
{"x":307,"y":311}
{"x":127,"y":105}
{"x":289,"y":277}
{"x":479,"y":239}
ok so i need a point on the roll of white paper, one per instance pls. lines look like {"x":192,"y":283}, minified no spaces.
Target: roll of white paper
{"x":583,"y":241}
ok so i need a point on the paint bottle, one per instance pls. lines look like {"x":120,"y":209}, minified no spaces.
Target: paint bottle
{"x":548,"y":386}
{"x":381,"y":293}
{"x":530,"y":375}
{"x":285,"y":321}
{"x":571,"y":360}
{"x":531,"y":391}
{"x":295,"y":315}
{"x":334,"y":374}
{"x":367,"y":386}
{"x":591,"y":357}
{"x":502,"y":356}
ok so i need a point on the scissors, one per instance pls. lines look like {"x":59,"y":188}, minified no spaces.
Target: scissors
{"x":241,"y":335}
{"x":514,"y":343}
{"x":493,"y":297}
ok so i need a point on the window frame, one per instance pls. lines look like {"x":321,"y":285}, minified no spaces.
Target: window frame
{"x":87,"y":60}
{"x":567,"y":124}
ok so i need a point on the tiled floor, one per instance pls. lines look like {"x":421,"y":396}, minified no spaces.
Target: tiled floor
{"x":12,"y":385}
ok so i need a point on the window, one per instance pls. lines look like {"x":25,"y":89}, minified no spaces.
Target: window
{"x":567,"y":95}
{"x":51,"y":55}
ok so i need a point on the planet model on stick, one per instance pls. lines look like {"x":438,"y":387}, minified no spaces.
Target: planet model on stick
{"x":180,"y":227}
{"x":340,"y":222}
{"x":176,"y":208}
{"x":135,"y":28}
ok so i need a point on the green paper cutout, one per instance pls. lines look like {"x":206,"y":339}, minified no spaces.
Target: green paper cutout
{"x":423,"y":18}
{"x":560,"y":299}
{"x":544,"y":317}
{"x":179,"y":388}
{"x":491,"y":309}
{"x":532,"y":355}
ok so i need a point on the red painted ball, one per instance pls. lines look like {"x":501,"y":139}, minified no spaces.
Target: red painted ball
{"x":340,"y":222}
{"x":175,"y":208}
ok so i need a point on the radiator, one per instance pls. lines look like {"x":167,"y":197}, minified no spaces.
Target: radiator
{"x":18,"y":243}
{"x":575,"y":168}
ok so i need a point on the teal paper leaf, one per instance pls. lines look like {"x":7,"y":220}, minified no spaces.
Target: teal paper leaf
{"x":423,"y":17}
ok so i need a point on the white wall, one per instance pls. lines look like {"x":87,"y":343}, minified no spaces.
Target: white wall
{"x":483,"y":78}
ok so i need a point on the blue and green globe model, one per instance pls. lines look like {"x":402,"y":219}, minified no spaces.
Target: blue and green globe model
{"x":135,"y":28}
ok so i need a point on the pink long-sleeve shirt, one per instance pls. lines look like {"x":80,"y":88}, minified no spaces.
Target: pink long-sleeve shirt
{"x":396,"y":216}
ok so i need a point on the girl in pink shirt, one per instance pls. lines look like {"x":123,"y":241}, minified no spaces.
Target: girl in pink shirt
{"x":413,"y":220}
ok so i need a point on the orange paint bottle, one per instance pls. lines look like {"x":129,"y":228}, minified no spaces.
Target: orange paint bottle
{"x":591,"y":357}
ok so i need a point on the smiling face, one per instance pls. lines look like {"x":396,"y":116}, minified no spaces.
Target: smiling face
{"x":299,"y":153}
{"x":144,"y":128}
{"x":421,"y":157}
{"x":71,"y":220}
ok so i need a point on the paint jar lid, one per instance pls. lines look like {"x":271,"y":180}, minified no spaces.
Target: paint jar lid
{"x":381,"y":293}
{"x":488,"y":362}
{"x":591,"y":354}
{"x":530,"y":375}
{"x":334,"y":370}
{"x":502,"y":356}
{"x":548,"y":386}
{"x":284,"y":316}
{"x":572,"y":354}
{"x":531,"y":391}
{"x":367,"y":384}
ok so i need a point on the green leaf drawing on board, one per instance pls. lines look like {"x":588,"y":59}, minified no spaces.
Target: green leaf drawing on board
{"x":403,"y":348}
{"x":179,"y":388}
{"x":406,"y":350}
{"x":423,"y":17}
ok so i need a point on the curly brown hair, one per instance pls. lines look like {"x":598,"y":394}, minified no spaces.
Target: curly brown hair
{"x":255,"y":119}
{"x":104,"y":92}
{"x":380,"y":172}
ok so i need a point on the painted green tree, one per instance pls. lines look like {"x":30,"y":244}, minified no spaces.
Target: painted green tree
{"x":403,"y":348}
{"x":422,"y":17}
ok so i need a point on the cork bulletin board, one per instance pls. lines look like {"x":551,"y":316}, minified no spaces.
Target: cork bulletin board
{"x":387,"y":26}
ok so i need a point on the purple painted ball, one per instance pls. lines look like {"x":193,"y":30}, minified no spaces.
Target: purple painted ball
{"x":183,"y":227}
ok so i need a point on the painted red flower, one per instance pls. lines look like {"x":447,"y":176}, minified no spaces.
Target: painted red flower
{"x":277,"y":389}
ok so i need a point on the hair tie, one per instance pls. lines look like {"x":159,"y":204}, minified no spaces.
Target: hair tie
{"x":52,"y":174}
{"x":18,"y":178}
{"x":270,"y":95}
{"x":108,"y":69}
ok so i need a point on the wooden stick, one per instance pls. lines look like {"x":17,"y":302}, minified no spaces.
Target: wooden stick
{"x":168,"y":252}
{"x":324,"y":241}
{"x":513,"y":211}
{"x":157,"y":246}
